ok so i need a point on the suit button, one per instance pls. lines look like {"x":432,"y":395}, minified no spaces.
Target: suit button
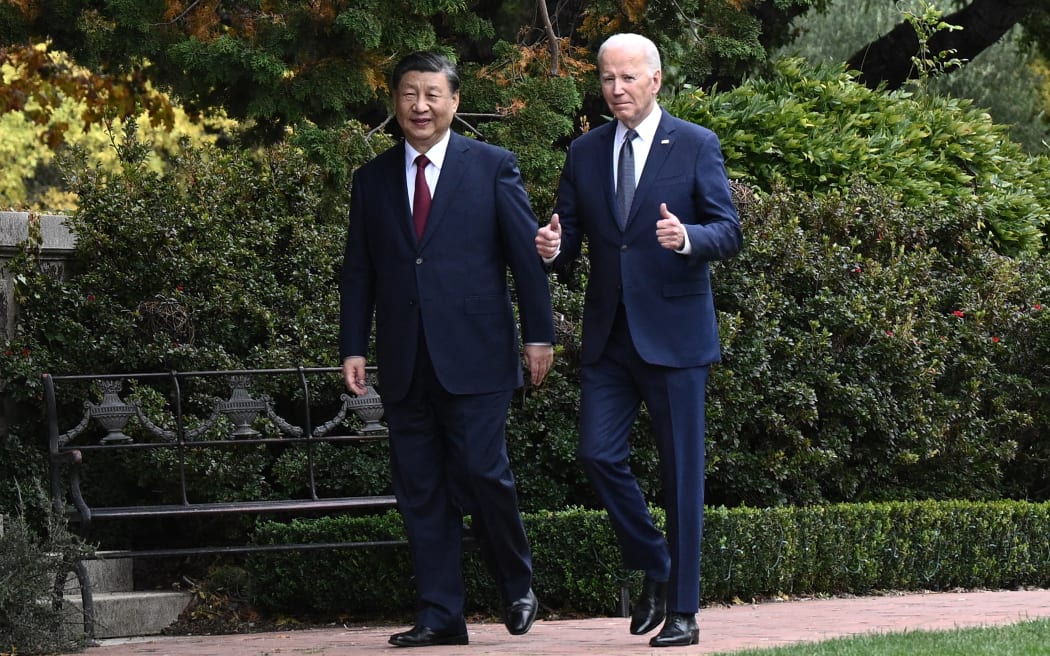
{"x":624,"y":247}
{"x":419,"y":260}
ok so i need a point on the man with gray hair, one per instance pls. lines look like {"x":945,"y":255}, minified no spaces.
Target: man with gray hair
{"x":650,"y":194}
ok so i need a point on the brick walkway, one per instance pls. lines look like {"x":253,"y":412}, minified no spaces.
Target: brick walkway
{"x":721,"y":629}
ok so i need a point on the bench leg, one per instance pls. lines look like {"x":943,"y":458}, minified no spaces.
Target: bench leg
{"x":87,"y":598}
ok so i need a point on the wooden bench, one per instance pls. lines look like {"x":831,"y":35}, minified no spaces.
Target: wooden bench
{"x":176,"y":417}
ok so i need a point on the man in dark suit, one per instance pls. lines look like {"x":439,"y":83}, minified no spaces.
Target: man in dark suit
{"x":650,"y":194}
{"x":435,"y":222}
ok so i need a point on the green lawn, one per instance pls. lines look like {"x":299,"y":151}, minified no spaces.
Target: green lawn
{"x":1024,"y":639}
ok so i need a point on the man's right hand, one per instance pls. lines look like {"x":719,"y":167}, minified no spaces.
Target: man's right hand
{"x":354,"y":374}
{"x":548,"y":239}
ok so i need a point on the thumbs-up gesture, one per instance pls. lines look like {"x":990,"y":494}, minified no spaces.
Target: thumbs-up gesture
{"x":548,"y":238}
{"x":669,"y":230}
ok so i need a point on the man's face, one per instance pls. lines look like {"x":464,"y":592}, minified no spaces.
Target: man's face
{"x":425,"y":107}
{"x":627,"y":85}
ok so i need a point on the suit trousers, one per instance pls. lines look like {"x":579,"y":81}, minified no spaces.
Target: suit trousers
{"x":613,"y":389}
{"x":449,"y":458}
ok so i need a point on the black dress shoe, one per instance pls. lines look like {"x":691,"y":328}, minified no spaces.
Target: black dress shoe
{"x":649,"y":609}
{"x":680,"y":630}
{"x":521,"y":614}
{"x":424,"y":636}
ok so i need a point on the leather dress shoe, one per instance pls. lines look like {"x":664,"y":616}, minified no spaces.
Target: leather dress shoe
{"x":649,"y":609}
{"x":424,"y":636}
{"x":680,"y":630}
{"x":521,"y":614}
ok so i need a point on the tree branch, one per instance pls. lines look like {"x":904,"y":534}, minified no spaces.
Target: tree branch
{"x":180,"y":16}
{"x":549,"y":29}
{"x":888,"y":59}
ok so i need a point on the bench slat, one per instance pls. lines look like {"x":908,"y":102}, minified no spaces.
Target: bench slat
{"x":220,"y":508}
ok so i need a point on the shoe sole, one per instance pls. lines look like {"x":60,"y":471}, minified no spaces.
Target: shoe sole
{"x":694,"y":639}
{"x":436,"y":642}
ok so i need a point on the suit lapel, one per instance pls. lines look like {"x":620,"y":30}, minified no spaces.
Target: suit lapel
{"x":444,"y":194}
{"x":395,"y":170}
{"x":604,"y":161}
{"x":659,"y":150}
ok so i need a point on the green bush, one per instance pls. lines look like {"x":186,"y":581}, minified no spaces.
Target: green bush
{"x":815,"y":129}
{"x":229,"y":260}
{"x":875,"y":352}
{"x":31,"y":616}
{"x":1005,"y":77}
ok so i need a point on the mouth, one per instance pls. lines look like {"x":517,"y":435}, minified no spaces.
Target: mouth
{"x":420,"y":122}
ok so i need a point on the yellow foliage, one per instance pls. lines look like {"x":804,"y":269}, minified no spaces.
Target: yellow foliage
{"x":535,"y":61}
{"x":374,"y":73}
{"x":31,"y":137}
{"x":635,"y":9}
{"x":36,"y":80}
{"x":1042,"y":68}
{"x":597,"y":24}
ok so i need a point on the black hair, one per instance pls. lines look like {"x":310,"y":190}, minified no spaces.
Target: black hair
{"x":425,"y":62}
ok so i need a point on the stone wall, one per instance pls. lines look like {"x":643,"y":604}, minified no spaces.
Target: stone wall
{"x":56,"y":251}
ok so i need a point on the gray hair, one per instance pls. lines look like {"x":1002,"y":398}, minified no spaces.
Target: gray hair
{"x":652,"y":55}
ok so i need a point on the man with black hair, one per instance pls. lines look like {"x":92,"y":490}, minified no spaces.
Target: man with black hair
{"x":435,"y":223}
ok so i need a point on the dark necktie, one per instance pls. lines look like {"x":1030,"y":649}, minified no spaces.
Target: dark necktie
{"x":421,"y":199}
{"x":625,"y":177}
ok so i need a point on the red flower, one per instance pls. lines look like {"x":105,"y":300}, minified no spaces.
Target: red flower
{"x":9,"y":353}
{"x":959,"y":313}
{"x":995,"y":340}
{"x":91,"y":298}
{"x":178,"y":288}
{"x":1037,"y":306}
{"x":889,"y":333}
{"x":25,"y":353}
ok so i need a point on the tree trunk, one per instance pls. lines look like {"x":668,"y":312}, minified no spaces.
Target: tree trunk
{"x":888,"y":60}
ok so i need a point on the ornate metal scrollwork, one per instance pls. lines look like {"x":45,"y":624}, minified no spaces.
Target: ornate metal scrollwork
{"x":112,"y":413}
{"x":241,"y":407}
{"x":368,"y":408}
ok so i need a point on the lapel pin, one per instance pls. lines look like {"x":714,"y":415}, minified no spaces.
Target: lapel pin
{"x":665,"y":141}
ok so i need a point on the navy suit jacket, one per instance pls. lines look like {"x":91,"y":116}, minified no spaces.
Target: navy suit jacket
{"x":453,"y":283}
{"x":666,"y":295}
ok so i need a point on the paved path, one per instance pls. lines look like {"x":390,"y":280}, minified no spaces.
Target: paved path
{"x":721,"y":629}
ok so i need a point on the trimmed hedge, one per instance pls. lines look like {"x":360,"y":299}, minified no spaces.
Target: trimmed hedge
{"x":747,"y":553}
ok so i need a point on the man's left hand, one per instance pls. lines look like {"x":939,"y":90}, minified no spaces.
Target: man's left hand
{"x":538,"y":360}
{"x":669,"y":230}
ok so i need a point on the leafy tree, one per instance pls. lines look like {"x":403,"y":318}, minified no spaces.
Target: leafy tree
{"x":280,"y":63}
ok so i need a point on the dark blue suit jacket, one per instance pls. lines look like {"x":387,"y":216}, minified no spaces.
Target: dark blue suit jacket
{"x":666,"y":295}
{"x":453,"y":284}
